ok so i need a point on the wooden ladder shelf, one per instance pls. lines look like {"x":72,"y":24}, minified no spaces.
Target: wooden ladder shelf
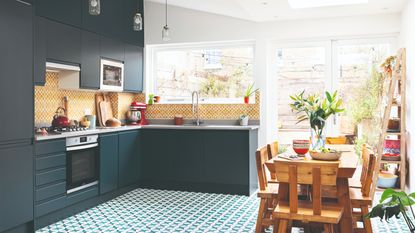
{"x":397,"y":87}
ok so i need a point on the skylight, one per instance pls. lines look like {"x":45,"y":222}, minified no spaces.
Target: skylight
{"x":297,"y":4}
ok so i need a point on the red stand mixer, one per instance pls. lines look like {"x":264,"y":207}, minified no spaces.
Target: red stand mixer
{"x":136,"y":115}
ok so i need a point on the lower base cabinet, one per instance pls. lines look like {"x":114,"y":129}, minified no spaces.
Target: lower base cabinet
{"x":16,"y":186}
{"x":219,"y":161}
{"x":119,"y":160}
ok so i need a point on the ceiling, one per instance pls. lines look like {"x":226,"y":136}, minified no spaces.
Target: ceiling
{"x":273,"y":10}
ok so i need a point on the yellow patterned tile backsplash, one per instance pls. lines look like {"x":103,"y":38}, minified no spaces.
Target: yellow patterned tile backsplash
{"x":49,"y":97}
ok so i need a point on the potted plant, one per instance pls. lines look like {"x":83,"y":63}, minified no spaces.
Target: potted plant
{"x":243,"y":120}
{"x":394,"y":203}
{"x":150,"y":99}
{"x":316,"y":110}
{"x":249,"y":92}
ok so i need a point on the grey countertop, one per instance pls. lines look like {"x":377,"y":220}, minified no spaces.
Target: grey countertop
{"x":100,"y":130}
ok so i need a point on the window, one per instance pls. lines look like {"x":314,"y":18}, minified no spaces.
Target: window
{"x":219,"y":72}
{"x":316,"y":67}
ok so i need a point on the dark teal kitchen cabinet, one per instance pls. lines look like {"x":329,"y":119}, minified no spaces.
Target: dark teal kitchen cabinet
{"x":129,"y":157}
{"x":63,"y":43}
{"x":16,"y":182}
{"x":219,"y":161}
{"x":133,"y":68}
{"x":90,"y":60}
{"x":40,"y":35}
{"x":112,"y":49}
{"x":108,"y":160}
{"x":63,"y":11}
{"x":16,"y":70}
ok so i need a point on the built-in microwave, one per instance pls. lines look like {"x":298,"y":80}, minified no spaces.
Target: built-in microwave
{"x":112,"y":75}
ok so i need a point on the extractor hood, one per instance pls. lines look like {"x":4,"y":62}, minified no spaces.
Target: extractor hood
{"x":58,"y":67}
{"x":69,"y":75}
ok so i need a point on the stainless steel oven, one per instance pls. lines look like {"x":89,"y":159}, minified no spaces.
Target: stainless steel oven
{"x":82,"y":162}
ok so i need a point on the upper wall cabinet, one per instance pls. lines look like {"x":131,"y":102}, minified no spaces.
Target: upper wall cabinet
{"x":64,"y":11}
{"x":133,"y":68}
{"x":115,"y":20}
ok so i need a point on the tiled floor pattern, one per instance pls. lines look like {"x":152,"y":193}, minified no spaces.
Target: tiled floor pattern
{"x":145,"y":210}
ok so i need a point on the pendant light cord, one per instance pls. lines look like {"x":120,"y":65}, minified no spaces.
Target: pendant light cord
{"x":166,"y":12}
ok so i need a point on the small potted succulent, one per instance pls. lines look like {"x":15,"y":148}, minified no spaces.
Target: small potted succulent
{"x":249,"y":92}
{"x":243,"y":120}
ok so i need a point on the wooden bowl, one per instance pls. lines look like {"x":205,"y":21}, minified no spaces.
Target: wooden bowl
{"x":327,"y":156}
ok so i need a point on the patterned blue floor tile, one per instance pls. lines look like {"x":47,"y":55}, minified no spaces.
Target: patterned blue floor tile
{"x":153,"y":211}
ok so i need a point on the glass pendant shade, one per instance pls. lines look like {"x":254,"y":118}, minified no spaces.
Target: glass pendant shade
{"x":137,"y":22}
{"x":165,"y":34}
{"x":94,"y":7}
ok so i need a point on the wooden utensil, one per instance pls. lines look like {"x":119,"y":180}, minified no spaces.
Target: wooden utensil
{"x":106,"y":110}
{"x":98,"y":99}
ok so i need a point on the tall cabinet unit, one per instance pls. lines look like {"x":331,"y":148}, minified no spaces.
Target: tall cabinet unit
{"x":16,"y":84}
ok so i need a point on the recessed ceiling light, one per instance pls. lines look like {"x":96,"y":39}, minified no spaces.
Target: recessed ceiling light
{"x":297,"y":4}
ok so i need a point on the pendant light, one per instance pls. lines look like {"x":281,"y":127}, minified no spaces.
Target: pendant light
{"x":165,"y":33}
{"x":94,"y":7}
{"x":137,"y":20}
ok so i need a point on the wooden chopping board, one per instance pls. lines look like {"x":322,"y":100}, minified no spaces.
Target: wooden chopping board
{"x":105,"y":109}
{"x":98,"y":99}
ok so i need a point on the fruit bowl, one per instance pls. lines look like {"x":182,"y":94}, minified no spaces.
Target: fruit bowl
{"x":301,"y":147}
{"x":331,"y":155}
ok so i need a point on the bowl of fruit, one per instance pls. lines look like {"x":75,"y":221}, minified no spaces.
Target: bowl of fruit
{"x":325,"y":154}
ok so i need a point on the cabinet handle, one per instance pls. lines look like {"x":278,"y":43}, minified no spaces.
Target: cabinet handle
{"x":26,"y":3}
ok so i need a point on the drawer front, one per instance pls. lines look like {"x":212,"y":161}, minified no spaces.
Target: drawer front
{"x":50,"y":191}
{"x":49,"y":147}
{"x":82,"y":195}
{"x":50,"y":206}
{"x":50,"y":161}
{"x":50,"y":176}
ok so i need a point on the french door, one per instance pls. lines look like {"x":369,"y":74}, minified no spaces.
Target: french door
{"x":320,"y":66}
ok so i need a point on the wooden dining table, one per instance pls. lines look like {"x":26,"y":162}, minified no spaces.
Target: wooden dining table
{"x":347,"y":167}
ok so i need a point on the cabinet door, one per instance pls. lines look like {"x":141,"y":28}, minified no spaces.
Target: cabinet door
{"x":40,"y":37}
{"x":108,"y":179}
{"x":90,"y":61}
{"x":16,"y":70}
{"x":133,"y":68}
{"x":112,"y":49}
{"x":186,"y":149}
{"x":63,"y":43}
{"x":16,"y":182}
{"x":226,"y":156}
{"x":128,"y":158}
{"x":64,"y":11}
{"x":129,"y":7}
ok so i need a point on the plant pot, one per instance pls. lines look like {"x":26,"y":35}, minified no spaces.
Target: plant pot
{"x":244,"y":121}
{"x":246,"y":99}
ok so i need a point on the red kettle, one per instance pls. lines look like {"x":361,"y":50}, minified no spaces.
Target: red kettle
{"x":59,"y":119}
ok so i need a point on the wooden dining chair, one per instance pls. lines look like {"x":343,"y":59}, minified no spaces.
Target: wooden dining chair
{"x":268,"y":193}
{"x":314,"y":211}
{"x":358,"y":181}
{"x":362,"y":198}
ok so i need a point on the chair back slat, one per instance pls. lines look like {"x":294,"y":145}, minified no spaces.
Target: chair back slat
{"x":261,"y":158}
{"x":368,"y":185}
{"x":304,"y":171}
{"x":273,"y":148}
{"x":316,"y":191}
{"x":292,"y":171}
{"x":311,"y":173}
{"x":365,"y":163}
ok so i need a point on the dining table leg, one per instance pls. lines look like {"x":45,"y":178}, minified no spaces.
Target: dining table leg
{"x":346,"y":222}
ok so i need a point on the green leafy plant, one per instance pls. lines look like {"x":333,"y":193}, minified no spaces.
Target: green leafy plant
{"x":250,"y":90}
{"x":316,"y":109}
{"x":394,"y":203}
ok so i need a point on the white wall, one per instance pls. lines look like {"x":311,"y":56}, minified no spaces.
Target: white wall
{"x":407,"y":39}
{"x":194,"y":26}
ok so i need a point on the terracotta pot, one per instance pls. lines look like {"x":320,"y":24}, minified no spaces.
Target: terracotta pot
{"x":246,"y":99}
{"x":156,"y":99}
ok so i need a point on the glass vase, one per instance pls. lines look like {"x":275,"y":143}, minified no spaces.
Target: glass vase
{"x":318,"y":139}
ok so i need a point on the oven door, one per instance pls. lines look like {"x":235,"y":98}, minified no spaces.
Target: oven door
{"x":82,"y":167}
{"x":112,"y":75}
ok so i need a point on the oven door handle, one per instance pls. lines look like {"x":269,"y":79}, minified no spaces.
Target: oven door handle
{"x":73,"y":148}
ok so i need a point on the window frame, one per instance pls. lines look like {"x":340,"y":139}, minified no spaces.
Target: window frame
{"x":331,"y":45}
{"x":151,"y":67}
